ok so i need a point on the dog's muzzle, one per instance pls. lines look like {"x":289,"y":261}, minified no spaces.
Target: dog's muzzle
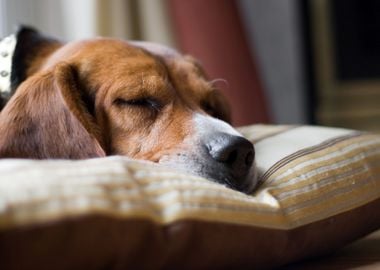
{"x":216,"y":151}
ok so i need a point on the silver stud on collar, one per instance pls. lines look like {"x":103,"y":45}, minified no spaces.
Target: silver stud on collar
{"x":4,"y":73}
{"x":7,"y":47}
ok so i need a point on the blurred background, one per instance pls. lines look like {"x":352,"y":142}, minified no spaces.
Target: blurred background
{"x":283,"y":62}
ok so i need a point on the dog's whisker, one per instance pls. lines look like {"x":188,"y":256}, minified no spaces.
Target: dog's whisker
{"x":142,"y":79}
{"x":218,"y":80}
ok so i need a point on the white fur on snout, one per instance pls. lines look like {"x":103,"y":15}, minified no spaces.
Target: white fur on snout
{"x":205,"y":125}
{"x":193,"y":158}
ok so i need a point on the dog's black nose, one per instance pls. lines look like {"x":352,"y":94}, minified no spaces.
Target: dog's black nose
{"x":234,"y":152}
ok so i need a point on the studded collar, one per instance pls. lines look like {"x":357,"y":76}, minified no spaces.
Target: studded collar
{"x":7,"y":48}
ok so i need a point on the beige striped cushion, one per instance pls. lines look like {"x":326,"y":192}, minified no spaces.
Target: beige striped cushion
{"x":320,"y":189}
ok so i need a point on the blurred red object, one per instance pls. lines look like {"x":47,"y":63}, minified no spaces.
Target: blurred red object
{"x":212,"y":32}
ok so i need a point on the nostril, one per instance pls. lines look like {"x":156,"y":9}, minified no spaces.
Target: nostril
{"x":232,"y":157}
{"x":249,"y":158}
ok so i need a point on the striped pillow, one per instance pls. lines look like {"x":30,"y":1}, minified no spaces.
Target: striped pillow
{"x":319,"y":189}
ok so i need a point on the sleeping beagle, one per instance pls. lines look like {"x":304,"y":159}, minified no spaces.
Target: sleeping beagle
{"x":103,"y":96}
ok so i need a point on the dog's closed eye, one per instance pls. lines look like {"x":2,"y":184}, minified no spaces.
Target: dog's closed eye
{"x":149,"y":103}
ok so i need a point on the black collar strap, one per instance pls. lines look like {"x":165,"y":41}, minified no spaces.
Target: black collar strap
{"x":7,"y":48}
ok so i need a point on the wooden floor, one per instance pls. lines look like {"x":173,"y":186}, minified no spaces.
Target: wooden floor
{"x":364,"y":254}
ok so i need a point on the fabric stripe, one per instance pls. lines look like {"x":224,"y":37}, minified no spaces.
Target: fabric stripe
{"x":335,"y":202}
{"x":341,"y":185}
{"x":325,"y":152}
{"x":276,"y":148}
{"x":305,"y":152}
{"x":330,"y":167}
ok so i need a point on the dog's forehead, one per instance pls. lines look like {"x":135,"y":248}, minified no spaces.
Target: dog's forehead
{"x":102,"y":57}
{"x":108,"y":50}
{"x":172,"y":58}
{"x":183,"y":66}
{"x":185,"y":73}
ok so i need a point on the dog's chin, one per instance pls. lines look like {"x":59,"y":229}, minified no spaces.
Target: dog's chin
{"x":214,"y":172}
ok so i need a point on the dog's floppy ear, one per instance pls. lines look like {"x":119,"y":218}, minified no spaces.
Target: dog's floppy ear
{"x":47,"y":118}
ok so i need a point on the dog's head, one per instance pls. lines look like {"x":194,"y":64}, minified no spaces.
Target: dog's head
{"x":111,"y":97}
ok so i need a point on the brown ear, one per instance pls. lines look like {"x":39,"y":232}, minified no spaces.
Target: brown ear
{"x":46,"y":118}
